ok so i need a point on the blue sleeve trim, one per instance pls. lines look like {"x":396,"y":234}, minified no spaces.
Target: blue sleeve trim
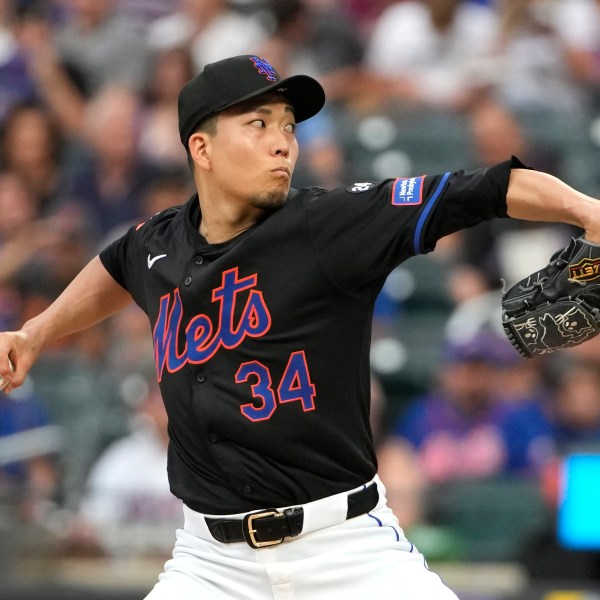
{"x":428,"y":208}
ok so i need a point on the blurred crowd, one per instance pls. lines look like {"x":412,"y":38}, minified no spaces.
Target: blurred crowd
{"x":89,"y":146}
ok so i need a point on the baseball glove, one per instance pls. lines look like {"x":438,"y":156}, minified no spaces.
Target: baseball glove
{"x":559,"y":305}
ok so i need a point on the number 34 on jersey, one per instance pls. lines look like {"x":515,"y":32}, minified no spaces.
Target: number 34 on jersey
{"x":295,"y":385}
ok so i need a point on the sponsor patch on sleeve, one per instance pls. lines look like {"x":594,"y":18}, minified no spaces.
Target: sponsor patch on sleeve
{"x":408,"y":191}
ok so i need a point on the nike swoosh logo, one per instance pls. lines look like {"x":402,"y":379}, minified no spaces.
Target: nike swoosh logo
{"x":151,"y":261}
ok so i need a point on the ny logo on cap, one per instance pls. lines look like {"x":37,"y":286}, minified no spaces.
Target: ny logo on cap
{"x":264,"y":68}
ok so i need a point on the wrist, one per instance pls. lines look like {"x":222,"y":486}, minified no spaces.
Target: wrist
{"x":36,"y":334}
{"x":589,"y":217}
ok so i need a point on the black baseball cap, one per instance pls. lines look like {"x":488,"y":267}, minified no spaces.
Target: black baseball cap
{"x":232,"y":80}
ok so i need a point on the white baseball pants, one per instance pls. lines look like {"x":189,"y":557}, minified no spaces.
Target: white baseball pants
{"x":357,"y":559}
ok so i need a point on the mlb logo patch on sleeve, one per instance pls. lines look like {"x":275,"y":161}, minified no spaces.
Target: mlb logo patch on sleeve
{"x":408,"y":191}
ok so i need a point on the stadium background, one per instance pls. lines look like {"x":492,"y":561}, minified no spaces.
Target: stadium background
{"x":89,"y":145}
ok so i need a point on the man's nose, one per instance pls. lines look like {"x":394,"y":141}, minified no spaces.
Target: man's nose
{"x":281,"y":145}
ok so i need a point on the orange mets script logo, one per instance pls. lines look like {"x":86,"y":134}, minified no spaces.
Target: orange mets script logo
{"x":586,"y":269}
{"x":177,"y":342}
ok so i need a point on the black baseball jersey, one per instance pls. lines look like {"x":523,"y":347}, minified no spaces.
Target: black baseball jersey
{"x":262,"y":343}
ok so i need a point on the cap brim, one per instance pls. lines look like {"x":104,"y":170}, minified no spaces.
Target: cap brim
{"x":304,"y":93}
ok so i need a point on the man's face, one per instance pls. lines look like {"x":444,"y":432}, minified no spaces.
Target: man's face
{"x":254,"y":151}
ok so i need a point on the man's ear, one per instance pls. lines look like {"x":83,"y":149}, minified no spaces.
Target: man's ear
{"x":199,"y":146}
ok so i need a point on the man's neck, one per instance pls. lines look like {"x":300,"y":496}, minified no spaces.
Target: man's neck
{"x":217,"y":234}
{"x":223,"y":223}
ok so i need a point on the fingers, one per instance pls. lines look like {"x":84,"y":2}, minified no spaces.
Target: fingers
{"x":11,"y":376}
{"x":5,"y":381}
{"x":7,"y":370}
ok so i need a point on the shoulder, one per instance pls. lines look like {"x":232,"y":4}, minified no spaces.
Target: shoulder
{"x":168,"y":218}
{"x":168,"y":223}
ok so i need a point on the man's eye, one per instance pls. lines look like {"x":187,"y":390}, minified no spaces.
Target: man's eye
{"x":258,"y":123}
{"x":291,"y":128}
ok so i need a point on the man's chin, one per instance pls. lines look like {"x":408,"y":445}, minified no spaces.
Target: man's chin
{"x":270,"y":200}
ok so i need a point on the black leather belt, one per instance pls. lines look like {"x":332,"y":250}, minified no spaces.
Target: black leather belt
{"x":271,"y":527}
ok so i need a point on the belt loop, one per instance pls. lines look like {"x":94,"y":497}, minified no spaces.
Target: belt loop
{"x":362,"y":502}
{"x":295,"y":519}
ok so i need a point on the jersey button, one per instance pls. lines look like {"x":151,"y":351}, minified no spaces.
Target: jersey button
{"x":199,"y":260}
{"x":187,"y":280}
{"x":201,"y":377}
{"x":213,"y":437}
{"x":247,"y":489}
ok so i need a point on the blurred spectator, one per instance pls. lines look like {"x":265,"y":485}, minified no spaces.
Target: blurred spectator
{"x":27,"y":244}
{"x":533,"y":69}
{"x":506,"y":249}
{"x":68,"y":246}
{"x":211,"y":29}
{"x":577,"y":23}
{"x":28,"y":446}
{"x":15,"y":84}
{"x":437,"y":52}
{"x":379,"y":408}
{"x":409,"y":492}
{"x":397,"y":462}
{"x":455,"y":427}
{"x":128,"y":348}
{"x":495,"y":133}
{"x":364,"y":13}
{"x":57,"y":85}
{"x":82,"y":397}
{"x":100,"y":46}
{"x":588,"y":352}
{"x":128,"y":508}
{"x":313,"y":37}
{"x":32,"y":148}
{"x":144,"y":12}
{"x":565,"y":421}
{"x":514,"y":381}
{"x":159,"y":132}
{"x":404,"y":481}
{"x":22,"y":234}
{"x":79,"y":393}
{"x":519,"y":251}
{"x":173,"y":188}
{"x":517,"y":381}
{"x":111,"y":177}
{"x":322,"y":162}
